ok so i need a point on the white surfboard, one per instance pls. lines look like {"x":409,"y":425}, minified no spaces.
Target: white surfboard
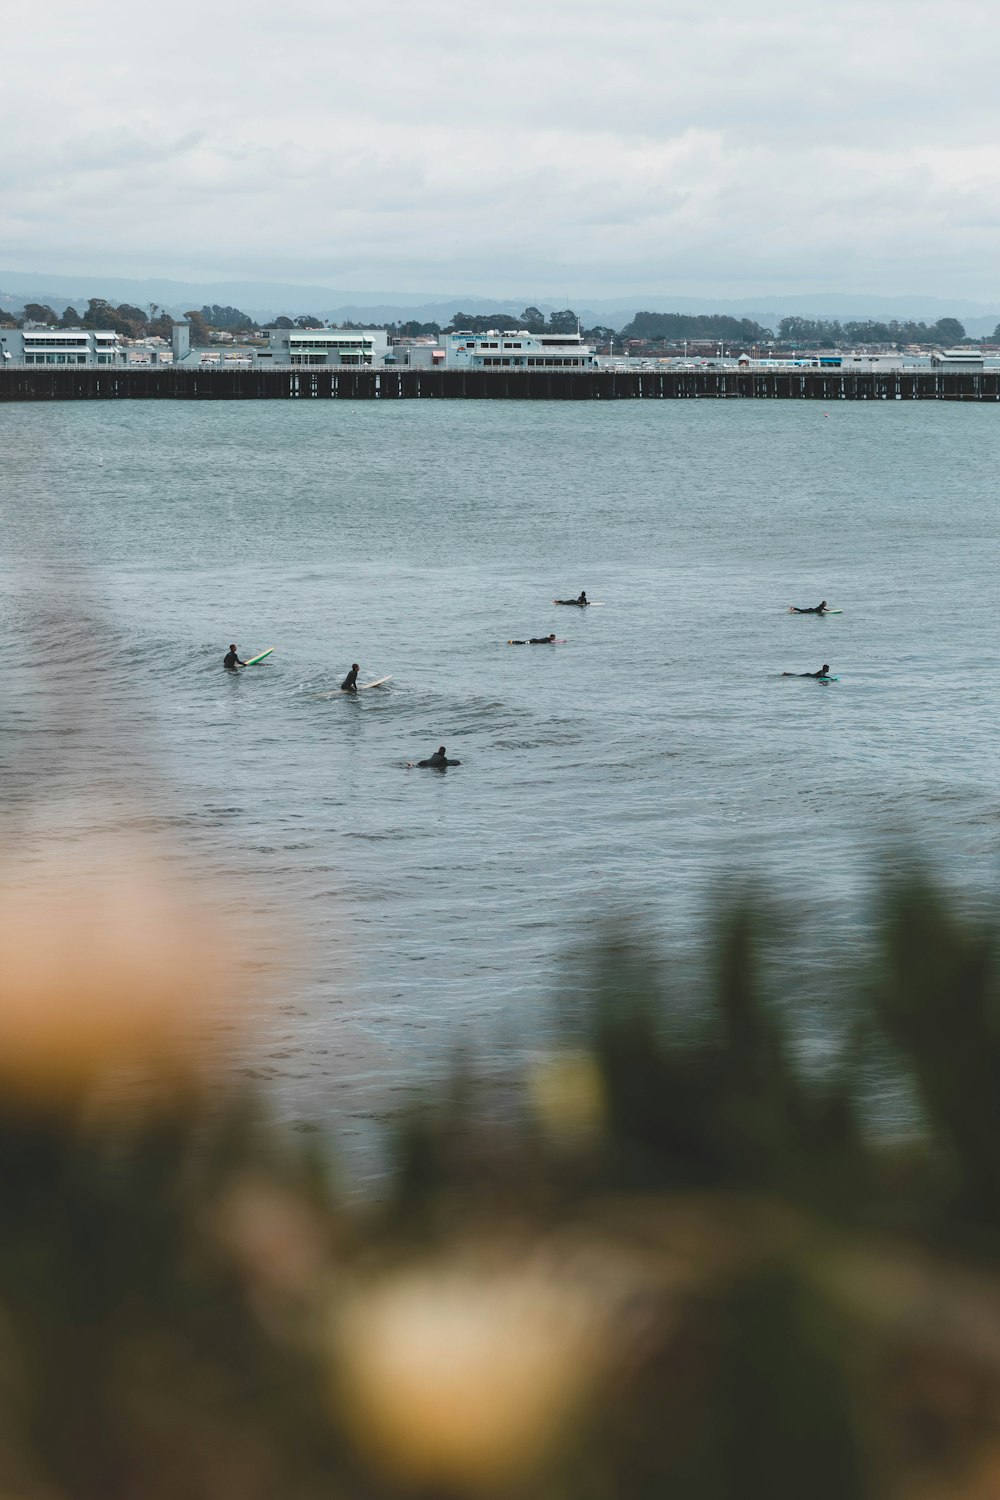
{"x":346,"y":692}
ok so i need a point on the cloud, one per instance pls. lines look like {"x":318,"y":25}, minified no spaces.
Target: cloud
{"x":555,"y":145}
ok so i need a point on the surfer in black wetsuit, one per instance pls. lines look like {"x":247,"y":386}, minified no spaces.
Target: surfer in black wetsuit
{"x":439,"y":760}
{"x":350,"y":682}
{"x":815,"y":609}
{"x":581,"y":603}
{"x":231,"y":659}
{"x":824,"y":671}
{"x":536,"y":640}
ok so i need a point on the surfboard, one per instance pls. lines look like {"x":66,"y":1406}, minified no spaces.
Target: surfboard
{"x":253,"y":660}
{"x":827,"y":679}
{"x":590,"y":604}
{"x":339,"y":692}
{"x":543,"y":643}
{"x":793,"y":611}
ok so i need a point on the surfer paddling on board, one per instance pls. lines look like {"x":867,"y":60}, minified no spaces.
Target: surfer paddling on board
{"x":438,"y":760}
{"x":350,"y":682}
{"x":824,"y":671}
{"x":536,"y":640}
{"x":232,"y":660}
{"x":581,"y":602}
{"x":815,"y":609}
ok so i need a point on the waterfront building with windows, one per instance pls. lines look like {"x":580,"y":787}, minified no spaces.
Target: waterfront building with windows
{"x":516,"y":349}
{"x":323,"y":346}
{"x":60,"y":346}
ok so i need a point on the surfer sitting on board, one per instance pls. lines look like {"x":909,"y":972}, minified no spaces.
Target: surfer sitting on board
{"x":439,"y":759}
{"x":824,"y":671}
{"x":816,"y":609}
{"x":536,"y":640}
{"x":231,"y":659}
{"x":350,"y":682}
{"x":582,"y":602}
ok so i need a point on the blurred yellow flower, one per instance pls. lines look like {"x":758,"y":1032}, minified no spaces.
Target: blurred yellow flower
{"x":465,"y":1376}
{"x":105,"y":969}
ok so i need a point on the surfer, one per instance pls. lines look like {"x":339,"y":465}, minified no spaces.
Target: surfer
{"x":232,"y":660}
{"x":581,"y":602}
{"x":439,"y":760}
{"x":824,"y":671}
{"x":350,"y":682}
{"x":815,"y":609}
{"x":536,"y":640}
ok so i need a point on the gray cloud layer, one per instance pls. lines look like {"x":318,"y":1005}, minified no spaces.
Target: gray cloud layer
{"x":562,"y":146}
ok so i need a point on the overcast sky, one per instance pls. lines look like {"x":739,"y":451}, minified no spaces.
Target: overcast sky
{"x":564,"y":148}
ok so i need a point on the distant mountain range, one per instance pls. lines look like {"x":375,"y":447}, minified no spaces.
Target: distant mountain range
{"x":264,"y":300}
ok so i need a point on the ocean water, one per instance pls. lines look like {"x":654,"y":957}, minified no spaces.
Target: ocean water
{"x":636,"y":770}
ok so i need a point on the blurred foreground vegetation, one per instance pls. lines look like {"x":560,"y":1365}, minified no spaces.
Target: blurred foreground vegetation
{"x":674,"y":1265}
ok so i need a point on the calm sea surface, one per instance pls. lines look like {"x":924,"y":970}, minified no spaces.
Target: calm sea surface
{"x":633,"y":769}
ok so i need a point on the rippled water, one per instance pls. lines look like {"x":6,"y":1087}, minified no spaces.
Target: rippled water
{"x":630,"y":769}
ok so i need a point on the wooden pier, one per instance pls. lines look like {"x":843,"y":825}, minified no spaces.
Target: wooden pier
{"x":21,"y":383}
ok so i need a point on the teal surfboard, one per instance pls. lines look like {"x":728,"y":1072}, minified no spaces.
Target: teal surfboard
{"x":253,"y":660}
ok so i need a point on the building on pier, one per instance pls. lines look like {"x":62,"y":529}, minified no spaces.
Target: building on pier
{"x":416,"y":354}
{"x":963,"y":358}
{"x":323,"y":346}
{"x":516,"y":349}
{"x":60,"y":346}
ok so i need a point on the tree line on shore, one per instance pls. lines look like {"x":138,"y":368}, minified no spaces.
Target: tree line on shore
{"x":822,"y":333}
{"x":802,"y":333}
{"x":137,"y":322}
{"x":648,"y":327}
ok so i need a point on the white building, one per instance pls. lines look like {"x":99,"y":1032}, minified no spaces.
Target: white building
{"x":60,"y":346}
{"x":516,"y":349}
{"x":958,"y":359}
{"x":416,"y":354}
{"x":323,"y":346}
